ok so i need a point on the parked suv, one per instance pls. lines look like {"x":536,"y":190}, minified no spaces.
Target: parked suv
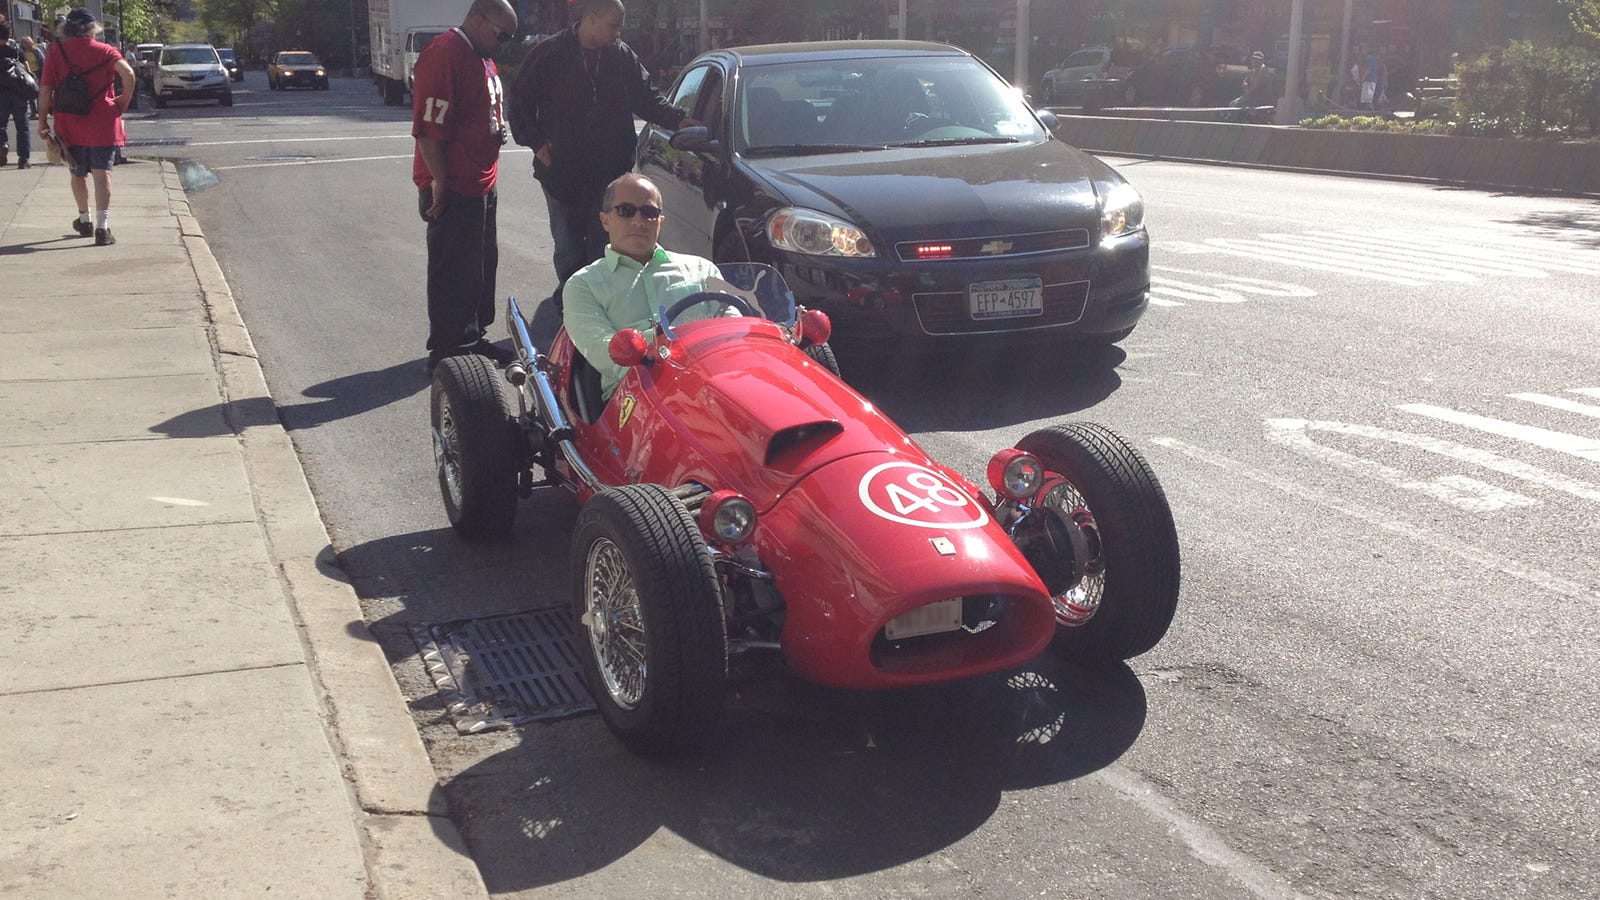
{"x":144,"y":63}
{"x":1187,"y":76}
{"x":190,"y":72}
{"x":1090,"y":77}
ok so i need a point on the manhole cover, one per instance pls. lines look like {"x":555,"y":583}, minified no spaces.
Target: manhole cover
{"x":158,"y":142}
{"x":500,"y":671}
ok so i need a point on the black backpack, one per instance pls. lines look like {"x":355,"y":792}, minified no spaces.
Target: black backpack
{"x":72,"y":94}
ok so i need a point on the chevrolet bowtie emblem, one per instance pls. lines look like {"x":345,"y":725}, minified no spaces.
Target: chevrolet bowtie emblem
{"x":995,"y":248}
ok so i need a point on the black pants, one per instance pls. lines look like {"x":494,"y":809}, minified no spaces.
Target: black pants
{"x":463,"y":255}
{"x":579,"y":237}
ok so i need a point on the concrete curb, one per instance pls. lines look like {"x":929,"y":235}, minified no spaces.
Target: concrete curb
{"x":1572,"y":169}
{"x":412,"y":848}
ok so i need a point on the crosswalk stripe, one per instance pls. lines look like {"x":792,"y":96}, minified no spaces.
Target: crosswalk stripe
{"x":1191,"y":291}
{"x":1587,"y":392}
{"x":1499,"y":255}
{"x":1559,"y":441}
{"x":1258,"y":251}
{"x":1520,"y":239}
{"x":1479,"y":261}
{"x":1561,"y":403}
{"x":1156,"y":300}
{"x":1360,"y":256}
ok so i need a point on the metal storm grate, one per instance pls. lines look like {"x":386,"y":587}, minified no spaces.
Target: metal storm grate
{"x":500,"y":671}
{"x":158,"y":142}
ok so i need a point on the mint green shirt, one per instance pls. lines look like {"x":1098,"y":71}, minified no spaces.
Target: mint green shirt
{"x":616,"y":292}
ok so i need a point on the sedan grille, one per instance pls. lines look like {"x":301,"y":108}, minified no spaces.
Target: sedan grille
{"x":993,"y":247}
{"x":948,"y":313}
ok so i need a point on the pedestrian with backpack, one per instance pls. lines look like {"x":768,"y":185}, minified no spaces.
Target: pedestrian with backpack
{"x":14,"y":97}
{"x":76,"y":93}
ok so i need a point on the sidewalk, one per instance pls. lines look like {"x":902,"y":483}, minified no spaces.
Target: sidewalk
{"x":193,"y":705}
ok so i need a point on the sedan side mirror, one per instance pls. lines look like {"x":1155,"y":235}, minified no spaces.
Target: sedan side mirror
{"x":1049,"y":120}
{"x":695,"y":139}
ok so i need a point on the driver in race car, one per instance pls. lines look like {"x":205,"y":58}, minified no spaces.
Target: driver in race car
{"x":627,"y":286}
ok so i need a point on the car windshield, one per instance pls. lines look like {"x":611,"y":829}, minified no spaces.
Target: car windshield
{"x":1084,"y":58}
{"x":296,"y":59}
{"x":188,"y":56}
{"x":870,"y":104}
{"x":422,"y":38}
{"x":227,"y":55}
{"x":759,"y":286}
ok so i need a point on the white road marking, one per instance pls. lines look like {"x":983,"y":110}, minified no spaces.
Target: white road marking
{"x":1187,"y":290}
{"x":1358,"y":257}
{"x":1562,"y":403}
{"x":1587,"y":392}
{"x":1460,"y":491}
{"x":1408,"y":253}
{"x":1388,"y":522}
{"x":1559,"y":441}
{"x":1204,"y":842}
{"x":1258,"y":250}
{"x":1247,"y":285}
{"x":1516,"y":262}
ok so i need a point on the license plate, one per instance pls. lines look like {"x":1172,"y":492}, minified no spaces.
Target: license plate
{"x":931,"y":619}
{"x":1011,"y":298}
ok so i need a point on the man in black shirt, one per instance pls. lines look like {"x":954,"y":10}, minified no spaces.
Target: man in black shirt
{"x":573,"y":103}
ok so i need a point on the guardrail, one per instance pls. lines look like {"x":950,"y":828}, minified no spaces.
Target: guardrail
{"x":1483,"y":162}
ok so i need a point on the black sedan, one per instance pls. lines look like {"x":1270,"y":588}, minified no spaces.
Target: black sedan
{"x":906,"y":190}
{"x":231,"y":63}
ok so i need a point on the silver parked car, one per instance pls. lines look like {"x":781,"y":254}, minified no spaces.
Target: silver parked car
{"x":1086,"y":78}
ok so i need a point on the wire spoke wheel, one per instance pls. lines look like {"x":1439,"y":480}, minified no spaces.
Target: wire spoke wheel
{"x":615,"y":624}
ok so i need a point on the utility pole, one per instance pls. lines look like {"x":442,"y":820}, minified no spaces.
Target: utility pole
{"x":705,"y":26}
{"x":1023,"y":40}
{"x":1288,"y":111}
{"x":903,"y":23}
{"x":1344,"y":52}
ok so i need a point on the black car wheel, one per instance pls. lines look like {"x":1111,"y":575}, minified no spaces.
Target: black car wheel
{"x":227,"y":98}
{"x":1104,"y":543}
{"x":648,"y":601}
{"x":158,"y":101}
{"x":474,"y":447}
{"x":825,"y":357}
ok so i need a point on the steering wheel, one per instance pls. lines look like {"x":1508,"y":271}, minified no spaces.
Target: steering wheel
{"x":738,"y":303}
{"x":921,"y":123}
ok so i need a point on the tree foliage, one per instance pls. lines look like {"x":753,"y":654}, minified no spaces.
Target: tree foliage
{"x":1585,"y":18}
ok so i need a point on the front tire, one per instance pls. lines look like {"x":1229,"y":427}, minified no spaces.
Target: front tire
{"x":1117,"y":599}
{"x":824,"y":356}
{"x":227,"y":99}
{"x":474,"y":448}
{"x":655,"y":649}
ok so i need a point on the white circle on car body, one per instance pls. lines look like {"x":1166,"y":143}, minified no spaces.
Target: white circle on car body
{"x":910,"y":494}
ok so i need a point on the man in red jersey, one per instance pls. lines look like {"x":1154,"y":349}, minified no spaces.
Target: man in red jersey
{"x":458,"y":120}
{"x":91,"y":137}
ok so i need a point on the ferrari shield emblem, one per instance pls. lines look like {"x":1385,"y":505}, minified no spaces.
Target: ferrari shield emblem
{"x":625,"y":410}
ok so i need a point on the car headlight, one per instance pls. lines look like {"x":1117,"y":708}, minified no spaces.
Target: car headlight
{"x":817,"y":234}
{"x":319,"y":73}
{"x":1121,"y":212}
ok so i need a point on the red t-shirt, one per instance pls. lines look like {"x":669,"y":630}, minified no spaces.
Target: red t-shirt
{"x":97,"y":62}
{"x":456,"y":98}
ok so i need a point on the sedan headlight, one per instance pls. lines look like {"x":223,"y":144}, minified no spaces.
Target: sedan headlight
{"x":817,"y":234}
{"x":1121,"y":211}
{"x":319,"y":73}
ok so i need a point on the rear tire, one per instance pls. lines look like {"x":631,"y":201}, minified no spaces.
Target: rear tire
{"x":394,"y":93}
{"x":227,"y":99}
{"x":649,"y":608}
{"x":1131,"y":593}
{"x":158,"y":101}
{"x":474,"y":445}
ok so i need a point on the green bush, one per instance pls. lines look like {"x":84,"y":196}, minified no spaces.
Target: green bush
{"x":1530,"y":91}
{"x":1377,"y":123}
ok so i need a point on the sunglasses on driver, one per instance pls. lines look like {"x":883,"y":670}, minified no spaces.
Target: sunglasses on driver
{"x":628,"y":211}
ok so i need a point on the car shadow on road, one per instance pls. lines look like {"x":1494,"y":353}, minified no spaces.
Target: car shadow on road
{"x":348,"y":395}
{"x":987,"y":388}
{"x":798,"y":783}
{"x":1578,"y":226}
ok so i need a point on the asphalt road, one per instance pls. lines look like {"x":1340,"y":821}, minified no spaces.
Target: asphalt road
{"x":1374,"y":406}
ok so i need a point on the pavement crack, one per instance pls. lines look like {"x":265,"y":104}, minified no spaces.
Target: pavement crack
{"x":173,"y":677}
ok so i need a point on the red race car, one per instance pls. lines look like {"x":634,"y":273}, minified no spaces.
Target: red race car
{"x":739,"y":498}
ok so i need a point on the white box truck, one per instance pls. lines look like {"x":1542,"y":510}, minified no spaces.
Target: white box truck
{"x":400,"y":29}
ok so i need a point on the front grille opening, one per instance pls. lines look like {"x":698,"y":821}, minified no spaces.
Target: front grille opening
{"x":983,"y":617}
